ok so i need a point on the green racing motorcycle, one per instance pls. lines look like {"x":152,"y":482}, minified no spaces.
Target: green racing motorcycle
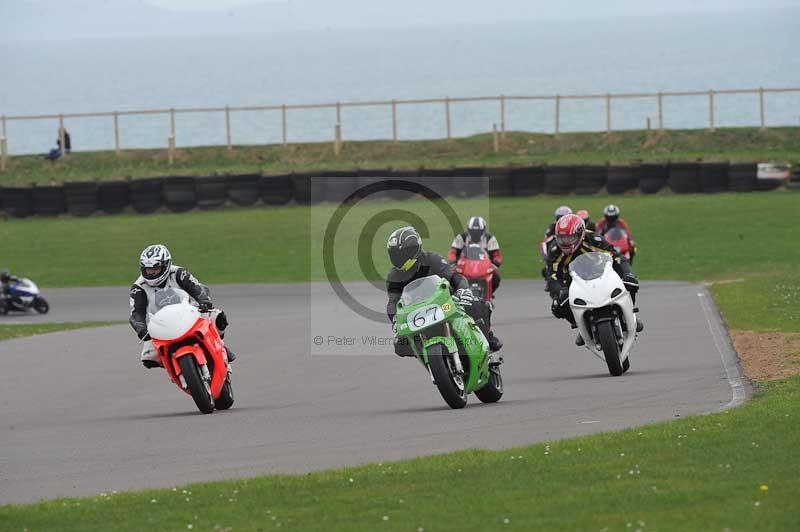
{"x":448,"y":342}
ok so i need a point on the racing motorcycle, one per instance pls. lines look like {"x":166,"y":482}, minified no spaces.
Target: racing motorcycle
{"x":474,"y":264}
{"x":603,"y":310}
{"x":23,"y":294}
{"x":621,"y":240}
{"x":190,"y":348}
{"x":448,"y":342}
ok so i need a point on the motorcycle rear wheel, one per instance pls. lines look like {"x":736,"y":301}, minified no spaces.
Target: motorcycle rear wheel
{"x":608,"y":341}
{"x":493,"y":391}
{"x":453,"y":394}
{"x":198,"y":388}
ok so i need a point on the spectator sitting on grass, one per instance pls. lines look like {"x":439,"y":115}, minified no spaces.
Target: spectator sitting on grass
{"x":55,"y":153}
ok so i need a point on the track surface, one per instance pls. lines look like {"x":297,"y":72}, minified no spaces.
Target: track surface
{"x":80,"y":415}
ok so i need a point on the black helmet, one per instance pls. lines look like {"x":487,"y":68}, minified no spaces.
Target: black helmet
{"x":405,"y":247}
{"x":611,"y":213}
{"x":476,"y":228}
{"x":5,"y":277}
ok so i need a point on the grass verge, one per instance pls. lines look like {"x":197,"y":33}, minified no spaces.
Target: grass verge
{"x":739,"y":144}
{"x":9,"y":331}
{"x":730,"y":470}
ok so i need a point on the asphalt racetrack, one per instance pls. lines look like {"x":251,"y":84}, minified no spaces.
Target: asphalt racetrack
{"x":80,"y":415}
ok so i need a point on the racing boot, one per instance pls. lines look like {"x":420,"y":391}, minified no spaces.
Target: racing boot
{"x":231,"y":354}
{"x":494,"y":342}
{"x":579,"y":340}
{"x":639,"y":324}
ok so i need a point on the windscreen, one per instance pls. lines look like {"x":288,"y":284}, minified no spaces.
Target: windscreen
{"x":165,"y":298}
{"x":420,"y":289}
{"x":474,"y":252}
{"x":590,"y":265}
{"x":616,"y":234}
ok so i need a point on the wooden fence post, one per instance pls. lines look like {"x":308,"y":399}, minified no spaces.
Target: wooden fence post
{"x":171,"y":149}
{"x":283,"y":124}
{"x":4,"y":146}
{"x":62,"y":135}
{"x":660,"y":112}
{"x":558,"y":114}
{"x":228,"y":126}
{"x":608,"y":114}
{"x":338,"y":113}
{"x":172,"y":125}
{"x":503,"y":115}
{"x":116,"y":133}
{"x":495,"y":139}
{"x":711,"y":110}
{"x":447,"y":115}
{"x":394,"y":121}
{"x":337,"y":142}
{"x":761,"y":107}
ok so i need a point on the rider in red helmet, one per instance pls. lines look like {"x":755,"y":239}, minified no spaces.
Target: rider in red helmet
{"x":584,"y":214}
{"x":572,"y":240}
{"x":550,"y":232}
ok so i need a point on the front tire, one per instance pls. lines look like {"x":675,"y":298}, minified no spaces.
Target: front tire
{"x":198,"y":388}
{"x":41,"y":305}
{"x":493,"y":391}
{"x":608,"y":341}
{"x":450,"y":385}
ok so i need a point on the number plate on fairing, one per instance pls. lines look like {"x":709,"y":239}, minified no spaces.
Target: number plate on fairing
{"x":425,"y":317}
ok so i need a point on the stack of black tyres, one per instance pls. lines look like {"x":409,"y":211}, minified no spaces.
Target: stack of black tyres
{"x":527,"y":181}
{"x":590,"y":179}
{"x":81,"y":197}
{"x":559,"y":180}
{"x":764,"y":184}
{"x":307,"y":188}
{"x":684,"y":178}
{"x":622,"y":179}
{"x":146,"y":194}
{"x":368,"y":181}
{"x":277,"y":189}
{"x":113,"y":196}
{"x":467,"y":182}
{"x":18,"y":201}
{"x":180,"y":193}
{"x":338,"y":186}
{"x":500,"y":184}
{"x":742,"y":176}
{"x":244,"y":189}
{"x":211,"y":192}
{"x":440,"y":180}
{"x":794,"y":180}
{"x":407,"y":176}
{"x":48,"y":201}
{"x":713,"y":177}
{"x":652,"y":177}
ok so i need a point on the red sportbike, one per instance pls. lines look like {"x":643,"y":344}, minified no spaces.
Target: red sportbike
{"x":479,"y":270}
{"x":621,"y":240}
{"x":191,"y":350}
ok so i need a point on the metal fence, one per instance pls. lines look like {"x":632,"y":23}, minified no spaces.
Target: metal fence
{"x":392,"y":106}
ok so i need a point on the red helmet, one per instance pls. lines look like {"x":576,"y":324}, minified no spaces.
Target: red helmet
{"x":570,"y":231}
{"x":584,"y":214}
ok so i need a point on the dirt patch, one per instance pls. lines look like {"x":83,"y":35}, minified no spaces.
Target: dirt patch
{"x":768,"y":356}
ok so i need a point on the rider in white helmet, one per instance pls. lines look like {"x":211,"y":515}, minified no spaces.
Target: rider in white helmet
{"x":476,"y":233}
{"x":159,"y":274}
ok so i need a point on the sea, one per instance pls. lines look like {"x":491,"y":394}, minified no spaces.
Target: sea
{"x":620,"y":55}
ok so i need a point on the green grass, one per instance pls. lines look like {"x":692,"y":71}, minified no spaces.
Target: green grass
{"x":739,"y":144}
{"x":695,"y":237}
{"x":698,"y":473}
{"x":764,"y":304}
{"x":9,"y":331}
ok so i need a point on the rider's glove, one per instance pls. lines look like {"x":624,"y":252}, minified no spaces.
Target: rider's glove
{"x":464,"y":297}
{"x":631,"y":282}
{"x":563,"y":297}
{"x":222,"y":321}
{"x":205,"y":306}
{"x":145,"y":337}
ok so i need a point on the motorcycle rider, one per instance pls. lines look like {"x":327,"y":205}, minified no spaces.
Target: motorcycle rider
{"x":572,"y":240}
{"x":157,"y":274}
{"x":584,"y":214}
{"x":549,"y":235}
{"x":476,"y":233}
{"x":411,"y":262}
{"x":611,"y":219}
{"x":5,"y":282}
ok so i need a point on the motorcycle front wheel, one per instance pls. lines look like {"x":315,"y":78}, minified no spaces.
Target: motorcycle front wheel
{"x":450,"y":384}
{"x":41,"y":305}
{"x":198,"y":388}
{"x":608,"y":342}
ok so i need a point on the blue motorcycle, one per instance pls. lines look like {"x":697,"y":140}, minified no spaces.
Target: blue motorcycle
{"x":22,"y":295}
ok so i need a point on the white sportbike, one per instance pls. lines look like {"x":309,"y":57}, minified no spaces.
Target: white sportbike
{"x":603,"y":310}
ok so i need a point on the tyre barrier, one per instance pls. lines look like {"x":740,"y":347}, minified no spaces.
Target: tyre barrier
{"x":81,"y":198}
{"x":277,"y":189}
{"x":652,"y":177}
{"x":742,"y":176}
{"x":500,"y":184}
{"x":17,"y":201}
{"x":684,"y":178}
{"x":559,"y":179}
{"x":621,"y":179}
{"x":180,"y":193}
{"x":590,"y":179}
{"x":146,"y":194}
{"x":713,"y":177}
{"x":211,"y":192}
{"x":244,"y":189}
{"x":527,"y":181}
{"x":48,"y":201}
{"x":338,"y":186}
{"x":113,"y":196}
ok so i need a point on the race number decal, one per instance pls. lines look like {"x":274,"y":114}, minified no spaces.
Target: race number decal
{"x":446,"y":307}
{"x":425,"y":317}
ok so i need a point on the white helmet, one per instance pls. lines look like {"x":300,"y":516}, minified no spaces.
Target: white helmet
{"x":154,"y":263}
{"x":476,"y":227}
